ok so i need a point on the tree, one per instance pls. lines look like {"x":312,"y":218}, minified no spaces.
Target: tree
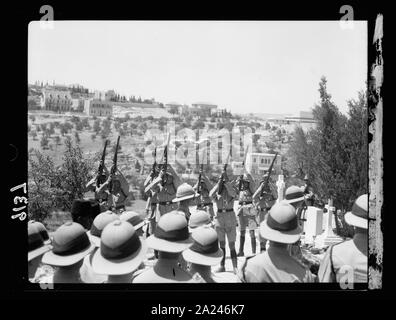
{"x":93,"y":137}
{"x":33,"y":118}
{"x":334,"y":154}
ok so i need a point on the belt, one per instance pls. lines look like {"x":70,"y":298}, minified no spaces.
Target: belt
{"x":245,"y":202}
{"x":153,"y":204}
{"x":165,"y":203}
{"x":120,"y":207}
{"x":263,"y":209}
{"x":225,"y":210}
{"x":204,"y":205}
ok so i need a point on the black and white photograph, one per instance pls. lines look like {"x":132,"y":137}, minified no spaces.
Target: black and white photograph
{"x":201,"y":152}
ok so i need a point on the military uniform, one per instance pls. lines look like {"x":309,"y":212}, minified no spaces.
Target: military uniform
{"x":246,"y":213}
{"x":166,"y":192}
{"x":204,"y":202}
{"x":152,"y":203}
{"x":308,"y":191}
{"x":274,"y":265}
{"x":226,"y":222}
{"x":263,"y":200}
{"x":117,"y":198}
{"x":101,"y":196}
{"x":347,"y":256}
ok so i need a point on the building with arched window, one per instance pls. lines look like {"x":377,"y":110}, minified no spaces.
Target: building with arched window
{"x":98,"y":108}
{"x":56,"y":100}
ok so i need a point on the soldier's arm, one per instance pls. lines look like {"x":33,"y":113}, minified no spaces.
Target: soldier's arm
{"x":256,"y":195}
{"x":212,"y":193}
{"x":91,"y":183}
{"x":106,"y":171}
{"x":104,"y":185}
{"x":252,"y":184}
{"x":208,"y":185}
{"x":231,"y":190}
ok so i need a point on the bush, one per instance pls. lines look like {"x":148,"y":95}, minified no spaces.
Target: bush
{"x":54,"y":188}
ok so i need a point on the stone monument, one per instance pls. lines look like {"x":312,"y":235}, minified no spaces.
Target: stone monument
{"x":281,"y":187}
{"x":328,"y":237}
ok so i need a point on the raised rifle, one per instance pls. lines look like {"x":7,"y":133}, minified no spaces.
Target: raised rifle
{"x":101,"y":166}
{"x":243,"y":167}
{"x":200,"y":178}
{"x":114,"y":167}
{"x":223,"y":176}
{"x":267,"y":178}
{"x":165,"y":165}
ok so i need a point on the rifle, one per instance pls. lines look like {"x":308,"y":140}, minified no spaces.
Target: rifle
{"x":200,"y":179}
{"x":223,"y":175}
{"x":267,"y":178}
{"x":153,"y":170}
{"x":114,"y":167}
{"x":243,"y":166}
{"x":165,"y":165}
{"x":101,"y":165}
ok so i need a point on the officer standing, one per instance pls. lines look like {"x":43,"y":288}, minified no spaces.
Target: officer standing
{"x":263,"y":199}
{"x":349,"y":258}
{"x":224,"y":195}
{"x":246,"y":213}
{"x":204,"y":201}
{"x":281,"y":228}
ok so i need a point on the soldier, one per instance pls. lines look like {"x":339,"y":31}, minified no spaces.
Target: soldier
{"x":101,"y":196}
{"x":204,"y":253}
{"x":70,"y":244}
{"x":204,"y":201}
{"x":185,"y":194}
{"x":295,"y":197}
{"x":165,"y":186}
{"x":170,"y":239}
{"x":224,"y":195}
{"x":37,"y":246}
{"x":263,"y":199}
{"x":349,"y":257}
{"x":87,"y":274}
{"x":121,"y":252}
{"x":119,"y":193}
{"x":308,"y":192}
{"x":246,"y":213}
{"x":276,"y":265}
{"x":152,"y":199}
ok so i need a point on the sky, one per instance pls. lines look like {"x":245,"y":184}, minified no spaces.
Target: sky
{"x":245,"y":67}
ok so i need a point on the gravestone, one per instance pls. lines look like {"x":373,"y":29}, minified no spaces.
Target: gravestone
{"x":281,"y":187}
{"x":328,"y":237}
{"x":313,"y":224}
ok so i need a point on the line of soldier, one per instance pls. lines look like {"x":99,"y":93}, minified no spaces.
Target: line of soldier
{"x":114,"y":249}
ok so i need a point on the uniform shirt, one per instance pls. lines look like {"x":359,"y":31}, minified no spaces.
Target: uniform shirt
{"x":165,"y":271}
{"x":264,"y":200}
{"x":274,"y":265}
{"x":351,"y":253}
{"x":87,"y":274}
{"x":225,"y":200}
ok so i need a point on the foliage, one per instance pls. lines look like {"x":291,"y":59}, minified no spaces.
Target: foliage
{"x":54,"y":188}
{"x":334,"y":154}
